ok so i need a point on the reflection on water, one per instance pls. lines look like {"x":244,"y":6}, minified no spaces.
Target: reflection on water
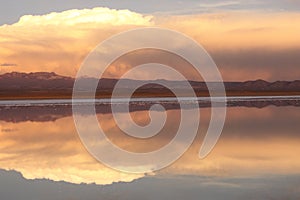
{"x":254,"y":143}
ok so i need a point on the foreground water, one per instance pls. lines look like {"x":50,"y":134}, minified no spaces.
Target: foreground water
{"x":257,"y":156}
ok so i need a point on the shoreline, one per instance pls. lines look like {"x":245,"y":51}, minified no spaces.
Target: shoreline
{"x":68,"y":95}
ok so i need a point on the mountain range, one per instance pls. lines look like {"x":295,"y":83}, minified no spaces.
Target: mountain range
{"x":51,"y":85}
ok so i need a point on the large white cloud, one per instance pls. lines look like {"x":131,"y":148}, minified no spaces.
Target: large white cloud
{"x":59,"y":41}
{"x":95,"y":15}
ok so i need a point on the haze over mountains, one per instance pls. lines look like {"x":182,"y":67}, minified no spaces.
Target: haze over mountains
{"x":41,"y":83}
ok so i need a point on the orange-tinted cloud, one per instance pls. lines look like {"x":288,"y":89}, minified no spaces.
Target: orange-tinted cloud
{"x":239,"y":30}
{"x":60,"y":41}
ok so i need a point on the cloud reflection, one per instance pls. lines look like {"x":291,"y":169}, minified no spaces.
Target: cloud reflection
{"x":248,"y":146}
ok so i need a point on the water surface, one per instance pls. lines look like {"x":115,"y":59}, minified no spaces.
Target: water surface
{"x":257,"y":156}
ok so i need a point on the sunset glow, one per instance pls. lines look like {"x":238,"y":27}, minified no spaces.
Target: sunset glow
{"x":59,"y":42}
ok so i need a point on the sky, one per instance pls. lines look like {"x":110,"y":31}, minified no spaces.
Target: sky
{"x":11,"y":11}
{"x":248,"y":40}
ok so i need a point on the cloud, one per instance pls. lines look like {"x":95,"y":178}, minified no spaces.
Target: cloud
{"x":246,"y":45}
{"x":258,"y":63}
{"x":238,"y":30}
{"x":96,"y":15}
{"x":60,"y":41}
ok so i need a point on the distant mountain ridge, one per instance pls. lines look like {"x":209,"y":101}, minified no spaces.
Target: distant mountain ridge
{"x":38,"y":80}
{"x":50,"y":82}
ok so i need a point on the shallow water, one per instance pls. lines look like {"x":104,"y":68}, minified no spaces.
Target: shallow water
{"x":256,"y":157}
